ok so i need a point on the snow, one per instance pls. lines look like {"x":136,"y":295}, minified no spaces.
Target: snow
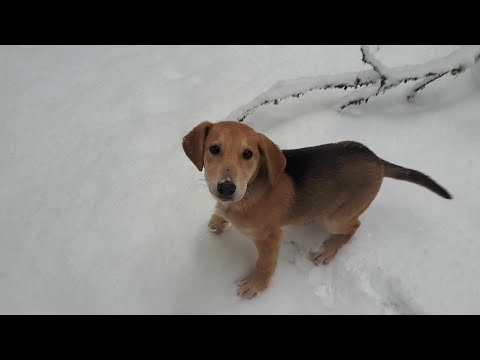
{"x":464,"y":56}
{"x":102,"y":212}
{"x":284,"y":89}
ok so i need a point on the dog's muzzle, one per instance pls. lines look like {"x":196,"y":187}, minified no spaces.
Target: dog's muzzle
{"x":226,"y":189}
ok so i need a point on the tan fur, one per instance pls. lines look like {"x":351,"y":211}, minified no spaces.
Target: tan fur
{"x":266,"y":199}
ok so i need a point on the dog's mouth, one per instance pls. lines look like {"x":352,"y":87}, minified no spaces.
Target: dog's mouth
{"x":227,"y":199}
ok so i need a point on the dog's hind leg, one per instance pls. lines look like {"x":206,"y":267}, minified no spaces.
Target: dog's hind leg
{"x":341,"y":232}
{"x":343,"y":223}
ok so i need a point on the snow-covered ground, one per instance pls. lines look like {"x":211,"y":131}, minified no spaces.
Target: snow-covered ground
{"x":101,"y":211}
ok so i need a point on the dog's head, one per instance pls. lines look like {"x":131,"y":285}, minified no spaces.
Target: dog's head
{"x":232,"y":154}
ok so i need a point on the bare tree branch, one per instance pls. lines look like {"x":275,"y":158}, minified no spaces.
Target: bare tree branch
{"x":368,"y":58}
{"x":379,"y":80}
{"x":358,"y":96}
{"x":391,"y":78}
{"x":285,"y":89}
{"x":420,"y":85}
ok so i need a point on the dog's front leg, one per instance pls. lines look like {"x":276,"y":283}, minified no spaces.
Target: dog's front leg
{"x":268,"y":248}
{"x":217,"y":224}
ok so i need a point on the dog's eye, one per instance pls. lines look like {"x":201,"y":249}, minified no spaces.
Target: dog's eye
{"x":247,"y":154}
{"x":214,"y":149}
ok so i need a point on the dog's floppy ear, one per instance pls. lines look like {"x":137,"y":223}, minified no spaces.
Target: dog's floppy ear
{"x":193,"y":143}
{"x":275,"y":160}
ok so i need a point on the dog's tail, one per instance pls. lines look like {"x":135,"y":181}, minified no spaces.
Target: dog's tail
{"x":414,"y":176}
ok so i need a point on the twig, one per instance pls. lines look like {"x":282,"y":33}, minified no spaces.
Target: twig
{"x":385,"y":78}
{"x":421,"y":85}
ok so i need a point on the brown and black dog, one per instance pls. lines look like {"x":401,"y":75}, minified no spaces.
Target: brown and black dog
{"x":260,"y":188}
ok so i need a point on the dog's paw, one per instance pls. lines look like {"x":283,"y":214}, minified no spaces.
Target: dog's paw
{"x":217,"y":228}
{"x":214,"y":229}
{"x":250,"y":287}
{"x":241,"y":281}
{"x":217,"y":224}
{"x":324,"y":256}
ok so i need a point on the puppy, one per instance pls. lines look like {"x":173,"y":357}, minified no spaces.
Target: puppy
{"x":260,"y":188}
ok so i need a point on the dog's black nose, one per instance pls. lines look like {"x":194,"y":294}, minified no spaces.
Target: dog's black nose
{"x":226,"y":188}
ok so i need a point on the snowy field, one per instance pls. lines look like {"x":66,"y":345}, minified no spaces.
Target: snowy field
{"x":102,"y":212}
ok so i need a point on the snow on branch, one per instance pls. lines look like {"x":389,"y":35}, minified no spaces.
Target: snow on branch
{"x":371,"y":82}
{"x":295,"y":88}
{"x":420,"y":85}
{"x":368,"y":58}
{"x":454,"y":64}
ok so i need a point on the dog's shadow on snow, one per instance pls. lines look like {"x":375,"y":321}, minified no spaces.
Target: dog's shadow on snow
{"x":219,"y":261}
